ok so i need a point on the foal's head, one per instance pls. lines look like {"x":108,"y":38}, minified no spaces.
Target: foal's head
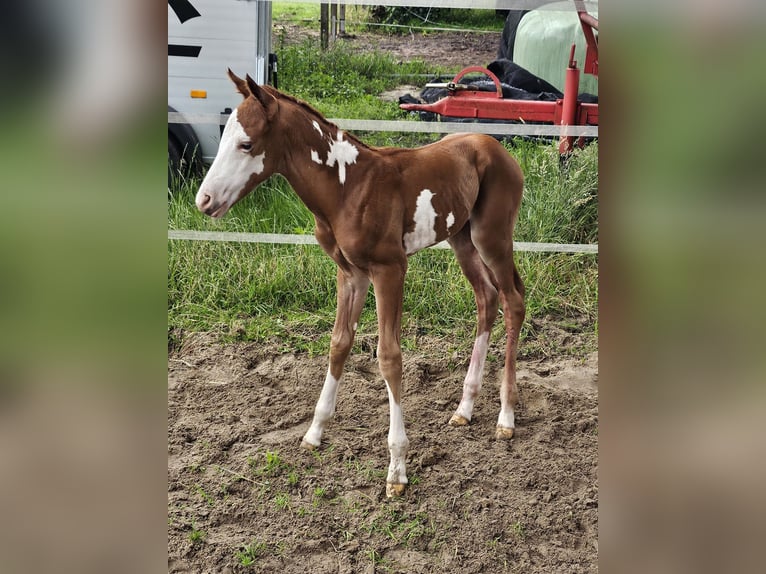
{"x":244,"y":156}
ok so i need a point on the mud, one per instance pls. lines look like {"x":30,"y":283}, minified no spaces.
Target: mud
{"x":237,"y":475}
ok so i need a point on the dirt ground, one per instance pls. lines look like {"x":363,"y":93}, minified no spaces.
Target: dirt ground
{"x":244,"y":497}
{"x":237,"y":475}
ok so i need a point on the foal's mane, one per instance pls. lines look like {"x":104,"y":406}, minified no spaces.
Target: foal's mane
{"x":311,"y":111}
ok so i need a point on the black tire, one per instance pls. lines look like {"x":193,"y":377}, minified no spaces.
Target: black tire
{"x":175,"y":159}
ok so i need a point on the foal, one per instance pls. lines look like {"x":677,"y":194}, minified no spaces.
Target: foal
{"x":373,"y":208}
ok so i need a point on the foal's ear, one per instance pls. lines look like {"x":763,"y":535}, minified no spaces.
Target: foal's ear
{"x":240,"y":83}
{"x":268,"y":101}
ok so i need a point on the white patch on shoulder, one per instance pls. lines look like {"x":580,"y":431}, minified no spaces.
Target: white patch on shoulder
{"x":424,"y":233}
{"x":450,"y":220}
{"x":315,"y":157}
{"x":343,"y":152}
{"x":316,"y":127}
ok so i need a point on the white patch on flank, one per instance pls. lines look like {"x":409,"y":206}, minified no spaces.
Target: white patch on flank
{"x":316,"y":127}
{"x":450,"y":220}
{"x":324,"y":410}
{"x":343,"y":152}
{"x":397,"y":442}
{"x":315,"y":157}
{"x":424,"y":233}
{"x":231,"y":168}
{"x":472,"y":384}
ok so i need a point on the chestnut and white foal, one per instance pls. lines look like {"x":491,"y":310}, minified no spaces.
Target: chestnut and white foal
{"x":373,"y":208}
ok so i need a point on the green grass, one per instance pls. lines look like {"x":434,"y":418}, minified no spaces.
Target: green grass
{"x":345,"y":82}
{"x":249,"y":553}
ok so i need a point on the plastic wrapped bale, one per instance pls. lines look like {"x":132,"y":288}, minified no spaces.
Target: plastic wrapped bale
{"x":544,"y":38}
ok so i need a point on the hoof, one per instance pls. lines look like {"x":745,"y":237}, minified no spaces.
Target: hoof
{"x":503,"y":433}
{"x":458,"y":421}
{"x":394,"y":490}
{"x":307,"y":445}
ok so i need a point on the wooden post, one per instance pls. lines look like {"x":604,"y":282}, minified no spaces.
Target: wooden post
{"x":333,"y":20}
{"x":323,"y":25}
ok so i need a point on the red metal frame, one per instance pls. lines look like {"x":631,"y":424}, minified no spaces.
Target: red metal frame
{"x":463,"y":102}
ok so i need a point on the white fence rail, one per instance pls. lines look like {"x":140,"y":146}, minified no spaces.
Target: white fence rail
{"x":419,"y":127}
{"x":286,"y":239}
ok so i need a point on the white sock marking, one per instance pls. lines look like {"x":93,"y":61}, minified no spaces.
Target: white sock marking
{"x":424,"y":233}
{"x":506,"y":419}
{"x":324,"y":410}
{"x":315,"y":157}
{"x":472,"y":384}
{"x":397,"y":442}
{"x":342,"y":152}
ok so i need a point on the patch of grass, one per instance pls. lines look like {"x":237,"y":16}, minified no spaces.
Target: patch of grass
{"x":295,"y":12}
{"x":400,"y":526}
{"x":249,"y":553}
{"x":282,"y":501}
{"x":518,"y":529}
{"x":205,"y":496}
{"x":344,"y":82}
{"x":196,"y":535}
{"x":271,"y":464}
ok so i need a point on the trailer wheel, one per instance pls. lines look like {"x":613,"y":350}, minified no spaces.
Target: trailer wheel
{"x":175,"y":159}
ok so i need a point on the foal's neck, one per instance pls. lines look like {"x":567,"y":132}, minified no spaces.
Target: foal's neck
{"x":319,"y":158}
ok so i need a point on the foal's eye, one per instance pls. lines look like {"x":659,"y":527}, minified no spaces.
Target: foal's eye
{"x":245,"y":146}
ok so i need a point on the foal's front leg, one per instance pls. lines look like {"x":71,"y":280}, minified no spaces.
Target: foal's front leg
{"x":388,"y":282}
{"x":353,"y":285}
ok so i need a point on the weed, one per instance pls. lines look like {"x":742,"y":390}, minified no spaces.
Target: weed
{"x":205,"y":496}
{"x":196,"y":535}
{"x":248,"y":554}
{"x":282,"y":501}
{"x":518,"y":529}
{"x":401,"y":526}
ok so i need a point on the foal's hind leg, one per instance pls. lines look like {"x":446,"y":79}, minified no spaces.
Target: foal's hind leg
{"x":496,"y":250}
{"x":353,"y":285}
{"x":486,"y":304}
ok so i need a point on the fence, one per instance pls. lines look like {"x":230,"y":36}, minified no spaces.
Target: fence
{"x":392,"y":126}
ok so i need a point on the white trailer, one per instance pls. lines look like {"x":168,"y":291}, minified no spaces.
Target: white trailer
{"x":205,"y":37}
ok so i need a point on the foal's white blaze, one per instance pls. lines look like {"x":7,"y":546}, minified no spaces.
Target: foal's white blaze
{"x":315,"y":157}
{"x":316,"y":127}
{"x":231,"y":168}
{"x":397,"y":442}
{"x":342,"y":152}
{"x":324,"y":410}
{"x":472,"y":384}
{"x":424,"y":233}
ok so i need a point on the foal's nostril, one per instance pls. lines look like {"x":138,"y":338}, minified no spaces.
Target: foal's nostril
{"x":204,"y":201}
